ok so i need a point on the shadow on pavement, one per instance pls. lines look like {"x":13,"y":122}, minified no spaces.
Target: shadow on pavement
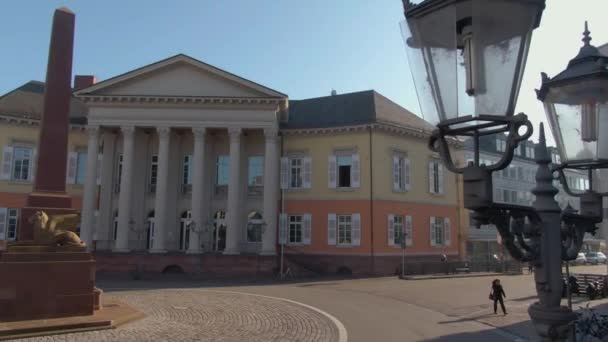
{"x":113,"y":284}
{"x":515,"y":332}
{"x":468,"y":319}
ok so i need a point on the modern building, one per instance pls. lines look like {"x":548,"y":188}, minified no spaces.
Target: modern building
{"x":513,"y":185}
{"x":198,"y":169}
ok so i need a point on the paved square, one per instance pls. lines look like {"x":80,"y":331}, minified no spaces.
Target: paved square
{"x":380,"y":309}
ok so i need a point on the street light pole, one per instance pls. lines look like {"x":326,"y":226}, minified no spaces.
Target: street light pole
{"x":441,"y":34}
{"x":553,"y":322}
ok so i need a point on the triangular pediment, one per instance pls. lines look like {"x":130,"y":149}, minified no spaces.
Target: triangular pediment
{"x":180,"y":76}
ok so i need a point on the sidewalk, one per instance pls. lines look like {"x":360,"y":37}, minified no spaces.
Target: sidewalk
{"x":517,"y":321}
{"x":452,"y":275}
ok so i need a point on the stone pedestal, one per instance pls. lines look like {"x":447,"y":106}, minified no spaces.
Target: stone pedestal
{"x":46,"y":282}
{"x":553,"y":325}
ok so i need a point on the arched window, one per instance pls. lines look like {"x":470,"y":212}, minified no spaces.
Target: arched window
{"x":184,"y":231}
{"x":254,"y":227}
{"x":219,"y":231}
{"x":150,"y":233}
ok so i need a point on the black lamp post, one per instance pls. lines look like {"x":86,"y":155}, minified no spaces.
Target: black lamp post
{"x":467,"y":59}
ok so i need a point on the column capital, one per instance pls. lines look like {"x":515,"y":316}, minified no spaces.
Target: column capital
{"x":92,"y":129}
{"x":163,"y":132}
{"x":199,"y":132}
{"x":235,"y":133}
{"x":271,"y":134}
{"x":127,"y":131}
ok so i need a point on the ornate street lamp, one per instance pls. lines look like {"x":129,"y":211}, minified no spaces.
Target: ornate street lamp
{"x":576,"y":104}
{"x":467,"y":59}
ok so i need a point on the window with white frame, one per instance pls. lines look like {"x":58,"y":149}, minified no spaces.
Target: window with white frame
{"x":223,"y":170}
{"x":22,"y":162}
{"x":9,"y":223}
{"x":296,"y":172}
{"x":345,"y":230}
{"x":187,"y":174}
{"x":344,"y":170}
{"x":153,"y":174}
{"x":255,"y":175}
{"x":399,"y":230}
{"x":12,"y":224}
{"x":436,"y":175}
{"x":440,"y":231}
{"x":295,"y":229}
{"x":401,"y":172}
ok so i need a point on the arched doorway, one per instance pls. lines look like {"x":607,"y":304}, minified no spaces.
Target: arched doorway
{"x":219,"y":231}
{"x":255,"y":228}
{"x":184,"y":231}
{"x":150,"y":230}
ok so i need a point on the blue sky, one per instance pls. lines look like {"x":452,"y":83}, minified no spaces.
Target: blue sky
{"x":301,"y":48}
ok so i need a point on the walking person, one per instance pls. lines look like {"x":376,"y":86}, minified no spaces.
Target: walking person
{"x":497,"y":295}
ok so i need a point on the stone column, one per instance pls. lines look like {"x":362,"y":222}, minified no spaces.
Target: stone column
{"x":105,"y":223}
{"x":271,"y":191}
{"x":126,"y":189}
{"x":200,"y":204}
{"x":90,"y":188}
{"x":234,"y":193}
{"x":160,"y":203}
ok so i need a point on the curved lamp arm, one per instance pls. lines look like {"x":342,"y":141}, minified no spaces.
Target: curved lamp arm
{"x":438,"y":143}
{"x":513,"y":140}
{"x":502,"y":221}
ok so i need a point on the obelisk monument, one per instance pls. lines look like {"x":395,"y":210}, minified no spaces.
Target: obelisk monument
{"x":49,"y":193}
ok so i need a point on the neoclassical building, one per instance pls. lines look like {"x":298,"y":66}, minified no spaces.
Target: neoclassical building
{"x":188,"y":161}
{"x":181,"y":165}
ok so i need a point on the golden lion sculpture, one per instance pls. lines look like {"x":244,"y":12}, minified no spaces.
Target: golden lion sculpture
{"x":56,"y":231}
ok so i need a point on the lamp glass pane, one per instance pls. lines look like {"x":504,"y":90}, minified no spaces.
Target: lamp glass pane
{"x":502,"y":30}
{"x":578,"y":116}
{"x":430,"y":42}
{"x":467,"y":57}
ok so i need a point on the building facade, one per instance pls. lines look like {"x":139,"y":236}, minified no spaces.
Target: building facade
{"x":196,"y":168}
{"x":368,"y":179}
{"x":20,"y":112}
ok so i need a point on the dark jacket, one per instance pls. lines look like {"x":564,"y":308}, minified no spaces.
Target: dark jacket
{"x":497,"y":291}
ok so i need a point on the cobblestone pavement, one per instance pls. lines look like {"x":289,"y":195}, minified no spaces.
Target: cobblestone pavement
{"x":200,"y":315}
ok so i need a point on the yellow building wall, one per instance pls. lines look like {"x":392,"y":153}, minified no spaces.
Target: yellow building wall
{"x":385,"y":145}
{"x":13,"y":132}
{"x":319,"y":147}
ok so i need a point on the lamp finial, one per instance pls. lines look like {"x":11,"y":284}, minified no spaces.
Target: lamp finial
{"x":541,"y":138}
{"x":586,"y":34}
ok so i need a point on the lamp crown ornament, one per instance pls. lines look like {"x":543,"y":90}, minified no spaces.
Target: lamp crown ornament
{"x":587,"y":38}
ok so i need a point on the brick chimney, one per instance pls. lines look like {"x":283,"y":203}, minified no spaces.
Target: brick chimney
{"x":83,"y":81}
